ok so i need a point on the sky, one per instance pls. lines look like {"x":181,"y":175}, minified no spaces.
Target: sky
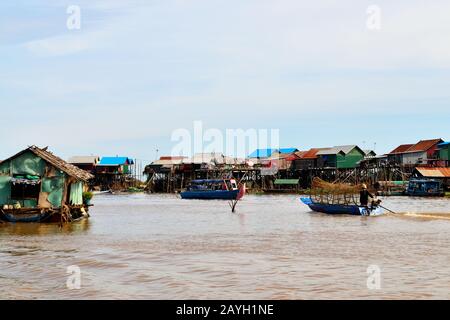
{"x":136,"y":71}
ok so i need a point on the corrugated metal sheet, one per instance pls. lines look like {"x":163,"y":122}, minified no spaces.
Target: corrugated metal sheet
{"x":262,"y":153}
{"x":334,"y":150}
{"x":84,"y":160}
{"x":338,"y":149}
{"x":312,"y":153}
{"x":434,"y":172}
{"x":402,"y":148}
{"x":424,"y":145}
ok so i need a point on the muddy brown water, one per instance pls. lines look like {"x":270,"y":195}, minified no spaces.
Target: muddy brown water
{"x":161,"y":247}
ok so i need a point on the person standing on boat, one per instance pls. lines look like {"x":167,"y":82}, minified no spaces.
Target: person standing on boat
{"x":364,"y":195}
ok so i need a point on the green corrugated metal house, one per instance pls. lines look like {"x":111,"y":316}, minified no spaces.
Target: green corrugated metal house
{"x":341,"y":157}
{"x":35,"y":178}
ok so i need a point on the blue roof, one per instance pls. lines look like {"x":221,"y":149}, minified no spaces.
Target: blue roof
{"x":262,"y":153}
{"x":288,"y":150}
{"x":115,"y":161}
{"x":444,"y":144}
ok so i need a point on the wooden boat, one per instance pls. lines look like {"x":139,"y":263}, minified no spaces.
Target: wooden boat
{"x":342,"y":209}
{"x":38,"y":215}
{"x":214,"y":189}
{"x":17,"y":215}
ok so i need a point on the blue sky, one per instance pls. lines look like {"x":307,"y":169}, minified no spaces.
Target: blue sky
{"x":138,"y":70}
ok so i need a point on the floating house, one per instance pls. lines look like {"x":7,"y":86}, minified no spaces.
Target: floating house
{"x":441,"y":174}
{"x":37,"y":186}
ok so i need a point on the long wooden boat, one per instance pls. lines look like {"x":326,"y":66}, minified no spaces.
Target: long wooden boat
{"x":15,"y":215}
{"x":39,"y":215}
{"x":342,"y":209}
{"x":214,"y":189}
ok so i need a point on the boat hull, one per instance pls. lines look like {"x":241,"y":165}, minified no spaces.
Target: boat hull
{"x":26,"y":217}
{"x":341,"y":209}
{"x":211,"y":195}
{"x":36,"y":215}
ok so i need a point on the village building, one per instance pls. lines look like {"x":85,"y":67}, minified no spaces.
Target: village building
{"x":36,"y":185}
{"x":425,"y":152}
{"x":86,"y":163}
{"x":114,"y":172}
{"x":341,"y":157}
{"x":432,"y":173}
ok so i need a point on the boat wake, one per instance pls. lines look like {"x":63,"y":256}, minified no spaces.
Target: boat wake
{"x":426,"y":215}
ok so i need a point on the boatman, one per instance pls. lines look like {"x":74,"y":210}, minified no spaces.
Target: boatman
{"x":364,"y":195}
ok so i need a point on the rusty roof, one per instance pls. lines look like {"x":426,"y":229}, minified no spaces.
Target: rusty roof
{"x":440,"y":172}
{"x":312,"y":153}
{"x":424,"y":145}
{"x":401,"y":148}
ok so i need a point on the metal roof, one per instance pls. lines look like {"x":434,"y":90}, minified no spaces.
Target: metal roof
{"x":328,"y":151}
{"x":444,"y":144}
{"x":434,"y":172}
{"x":262,"y":153}
{"x":287,"y":150}
{"x":366,"y":152}
{"x":401,"y":148}
{"x":115,"y":161}
{"x":424,"y":145}
{"x":312,"y":153}
{"x":84,"y":160}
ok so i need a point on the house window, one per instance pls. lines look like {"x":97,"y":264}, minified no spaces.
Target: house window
{"x":23,"y":189}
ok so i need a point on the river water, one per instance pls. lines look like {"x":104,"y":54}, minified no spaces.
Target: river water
{"x":161,"y":247}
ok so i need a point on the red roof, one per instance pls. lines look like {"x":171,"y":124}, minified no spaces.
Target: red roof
{"x":312,"y":154}
{"x":402,"y":148}
{"x":424,"y":145}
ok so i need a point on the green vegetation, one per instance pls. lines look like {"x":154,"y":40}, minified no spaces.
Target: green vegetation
{"x":87,"y":196}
